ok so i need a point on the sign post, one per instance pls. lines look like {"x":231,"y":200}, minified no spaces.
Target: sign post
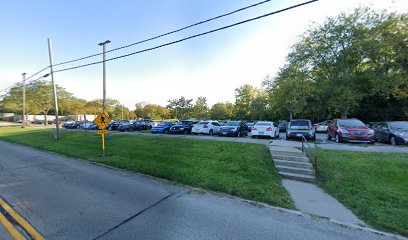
{"x":102,"y":122}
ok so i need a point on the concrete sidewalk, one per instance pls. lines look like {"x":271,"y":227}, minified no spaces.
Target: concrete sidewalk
{"x":308,"y":197}
{"x":311,"y":199}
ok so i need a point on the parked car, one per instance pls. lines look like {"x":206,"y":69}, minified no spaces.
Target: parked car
{"x":393,"y":133}
{"x":268,"y":129}
{"x":283,"y":125}
{"x":126,"y":126}
{"x":250,"y":125}
{"x":299,"y":128}
{"x":93,"y":126}
{"x":207,"y":127}
{"x":350,"y":130}
{"x":321,"y":127}
{"x":113,"y":125}
{"x":85,"y":125}
{"x":181,"y":127}
{"x":66,"y":123}
{"x":72,"y":125}
{"x":233,"y":128}
{"x":163,"y":127}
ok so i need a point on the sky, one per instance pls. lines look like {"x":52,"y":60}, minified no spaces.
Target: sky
{"x":211,"y":66}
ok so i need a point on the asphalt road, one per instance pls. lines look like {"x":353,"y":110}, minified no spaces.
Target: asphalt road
{"x":66,"y":198}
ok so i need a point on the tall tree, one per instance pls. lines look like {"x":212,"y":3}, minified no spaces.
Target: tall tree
{"x":243,"y":97}
{"x":200,"y":108}
{"x":180,"y":108}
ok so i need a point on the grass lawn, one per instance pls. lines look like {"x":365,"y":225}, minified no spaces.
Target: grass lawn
{"x":373,"y":185}
{"x":243,"y":170}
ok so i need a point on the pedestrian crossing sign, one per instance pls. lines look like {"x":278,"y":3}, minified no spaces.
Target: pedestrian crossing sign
{"x":102,"y":121}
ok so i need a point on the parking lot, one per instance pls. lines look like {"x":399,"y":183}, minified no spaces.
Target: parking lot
{"x":321,"y":142}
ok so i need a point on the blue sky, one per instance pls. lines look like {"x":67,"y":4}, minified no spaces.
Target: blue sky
{"x":211,"y":66}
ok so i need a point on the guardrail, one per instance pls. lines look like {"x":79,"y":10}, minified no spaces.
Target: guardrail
{"x":312,"y":154}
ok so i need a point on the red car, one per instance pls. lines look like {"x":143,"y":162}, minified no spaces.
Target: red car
{"x":350,"y":130}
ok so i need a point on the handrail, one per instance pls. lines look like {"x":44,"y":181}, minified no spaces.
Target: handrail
{"x":305,"y":144}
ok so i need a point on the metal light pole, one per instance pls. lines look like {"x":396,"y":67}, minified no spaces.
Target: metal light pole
{"x":103,"y":44}
{"x":24,"y":102}
{"x":54,"y":89}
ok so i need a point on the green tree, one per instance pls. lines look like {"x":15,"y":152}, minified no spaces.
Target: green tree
{"x":200,"y":108}
{"x":222,"y":111}
{"x":243,"y":97}
{"x":181,"y":108}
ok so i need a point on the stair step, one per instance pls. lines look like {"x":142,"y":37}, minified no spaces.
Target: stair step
{"x":302,"y":170}
{"x":289,"y":163}
{"x":291,"y":158}
{"x":298,"y":154}
{"x":299,"y":177}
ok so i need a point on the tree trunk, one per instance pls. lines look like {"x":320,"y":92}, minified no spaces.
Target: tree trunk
{"x":344,"y":113}
{"x":45,"y":118}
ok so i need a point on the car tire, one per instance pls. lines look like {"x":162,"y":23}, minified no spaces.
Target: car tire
{"x":393,"y":141}
{"x":211,"y":132}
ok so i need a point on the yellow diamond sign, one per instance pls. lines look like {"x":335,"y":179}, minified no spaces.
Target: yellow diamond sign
{"x":102,"y":121}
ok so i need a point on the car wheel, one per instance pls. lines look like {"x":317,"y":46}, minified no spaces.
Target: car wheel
{"x":393,"y":141}
{"x":166,"y":131}
{"x":337,"y":138}
{"x":238,"y":134}
{"x":211,"y":132}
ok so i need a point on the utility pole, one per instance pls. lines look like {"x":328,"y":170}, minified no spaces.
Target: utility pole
{"x":54,"y":89}
{"x":24,"y":102}
{"x":103,"y":44}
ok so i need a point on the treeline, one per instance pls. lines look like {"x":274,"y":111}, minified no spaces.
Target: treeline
{"x":353,"y":65}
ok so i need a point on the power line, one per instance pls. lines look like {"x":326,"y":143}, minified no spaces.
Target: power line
{"x":165,"y":34}
{"x":190,"y":37}
{"x":33,"y":75}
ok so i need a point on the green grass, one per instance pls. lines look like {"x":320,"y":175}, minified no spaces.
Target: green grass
{"x":243,"y":170}
{"x":373,"y":185}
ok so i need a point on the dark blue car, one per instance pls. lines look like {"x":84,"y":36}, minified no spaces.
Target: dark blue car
{"x":163,"y":127}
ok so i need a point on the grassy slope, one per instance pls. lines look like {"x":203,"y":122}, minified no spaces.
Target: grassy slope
{"x":373,"y":185}
{"x":243,"y":170}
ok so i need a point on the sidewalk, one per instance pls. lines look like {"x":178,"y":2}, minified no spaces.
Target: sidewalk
{"x":308,"y":197}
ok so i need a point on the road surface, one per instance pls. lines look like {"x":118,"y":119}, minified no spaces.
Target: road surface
{"x":64,"y":198}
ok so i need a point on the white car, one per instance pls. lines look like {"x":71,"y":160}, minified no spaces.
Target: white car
{"x":207,"y":127}
{"x":268,"y":129}
{"x":321,"y":127}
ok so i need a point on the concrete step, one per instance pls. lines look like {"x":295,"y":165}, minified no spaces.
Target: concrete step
{"x":298,"y":177}
{"x":297,"y":154}
{"x":280,"y":162}
{"x":291,"y":158}
{"x":305,"y":171}
{"x":285,"y":149}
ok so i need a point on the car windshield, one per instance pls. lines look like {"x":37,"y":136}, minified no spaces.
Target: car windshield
{"x":203,"y":123}
{"x":263,"y":124}
{"x":185,"y":122}
{"x":399,"y":125}
{"x":232,"y":124}
{"x":299,"y":123}
{"x":163,"y":124}
{"x":351,"y":123}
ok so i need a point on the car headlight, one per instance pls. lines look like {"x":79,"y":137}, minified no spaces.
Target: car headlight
{"x":371,"y":132}
{"x":181,"y":128}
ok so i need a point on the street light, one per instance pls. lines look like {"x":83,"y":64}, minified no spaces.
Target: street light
{"x":103,"y":44}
